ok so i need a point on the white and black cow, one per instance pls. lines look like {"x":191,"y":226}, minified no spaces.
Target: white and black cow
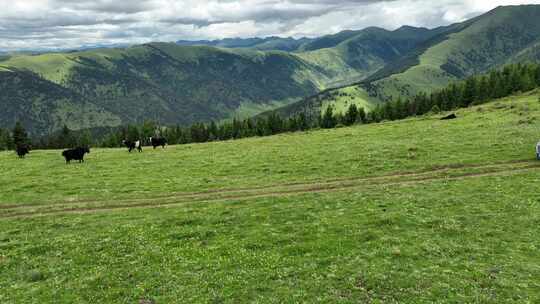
{"x":132,"y":145}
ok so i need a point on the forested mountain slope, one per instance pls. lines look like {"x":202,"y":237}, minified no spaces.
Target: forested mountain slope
{"x":505,"y":35}
{"x":489,"y":41}
{"x":163,"y":82}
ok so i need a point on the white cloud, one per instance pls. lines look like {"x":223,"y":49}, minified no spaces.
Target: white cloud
{"x":34,"y":24}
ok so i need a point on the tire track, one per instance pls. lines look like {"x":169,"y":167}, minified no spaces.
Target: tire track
{"x":313,"y":188}
{"x":276,"y":187}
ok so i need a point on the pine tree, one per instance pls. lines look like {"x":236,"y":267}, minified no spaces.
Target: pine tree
{"x":111,"y":141}
{"x":213,"y":131}
{"x":66,"y":139}
{"x":537,"y":75}
{"x":398,"y":110}
{"x":236,"y":128}
{"x":302,"y":120}
{"x":513,"y":80}
{"x":292,"y":124}
{"x":526,"y":82}
{"x":387,"y":111}
{"x":20,"y":137}
{"x":248,"y":128}
{"x":362,"y":116}
{"x":184,"y":136}
{"x":375,"y":115}
{"x":132,"y":133}
{"x":483,"y":89}
{"x":351,"y":115}
{"x":199,"y":133}
{"x":85,"y":140}
{"x":148,"y":129}
{"x":4,"y":139}
{"x":225,"y":131}
{"x":328,"y":120}
{"x":261,"y":127}
{"x":177,"y":139}
{"x":275,"y":124}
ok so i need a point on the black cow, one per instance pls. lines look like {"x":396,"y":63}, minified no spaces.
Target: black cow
{"x":449,"y":117}
{"x":132,"y":145}
{"x":75,"y":154}
{"x":22,"y":150}
{"x":156,"y":142}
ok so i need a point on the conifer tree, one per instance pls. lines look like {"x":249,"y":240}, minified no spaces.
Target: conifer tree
{"x":398,"y":110}
{"x":275,"y":123}
{"x":85,"y":140}
{"x":132,"y":133}
{"x":148,"y":130}
{"x":362,"y":116}
{"x":5,"y":140}
{"x":213,"y":131}
{"x":66,"y":139}
{"x":302,"y":120}
{"x":328,"y":120}
{"x":351,"y":115}
{"x":20,"y":137}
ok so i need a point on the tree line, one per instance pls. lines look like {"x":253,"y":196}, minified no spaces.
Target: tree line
{"x":9,"y":139}
{"x":472,"y":91}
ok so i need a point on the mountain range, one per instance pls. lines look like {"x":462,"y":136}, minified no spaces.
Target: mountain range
{"x":200,"y":81}
{"x":506,"y":35}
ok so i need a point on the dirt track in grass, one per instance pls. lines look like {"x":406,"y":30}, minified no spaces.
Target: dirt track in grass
{"x":448,"y":172}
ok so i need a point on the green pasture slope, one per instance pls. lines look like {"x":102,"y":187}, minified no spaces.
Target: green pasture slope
{"x":415,"y":211}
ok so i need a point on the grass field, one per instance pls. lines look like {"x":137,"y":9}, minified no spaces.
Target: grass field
{"x":343,"y":98}
{"x":415,"y":211}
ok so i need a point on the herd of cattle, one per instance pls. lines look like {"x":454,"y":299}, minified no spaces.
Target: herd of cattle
{"x":78,"y":153}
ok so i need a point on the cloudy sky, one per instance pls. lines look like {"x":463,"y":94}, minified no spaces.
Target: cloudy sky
{"x":39,"y":24}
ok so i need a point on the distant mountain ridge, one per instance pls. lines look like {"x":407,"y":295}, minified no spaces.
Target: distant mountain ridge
{"x":509,"y":34}
{"x":263,"y":44}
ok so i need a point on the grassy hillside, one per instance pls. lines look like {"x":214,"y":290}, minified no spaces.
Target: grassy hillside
{"x":487,"y":42}
{"x":444,"y":55}
{"x":340,"y":99}
{"x":364,"y":52}
{"x":168,"y":83}
{"x":394,"y":212}
{"x":47,"y":106}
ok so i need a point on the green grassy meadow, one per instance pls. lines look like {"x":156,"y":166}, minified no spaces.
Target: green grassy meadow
{"x":342,"y":99}
{"x":413,"y":211}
